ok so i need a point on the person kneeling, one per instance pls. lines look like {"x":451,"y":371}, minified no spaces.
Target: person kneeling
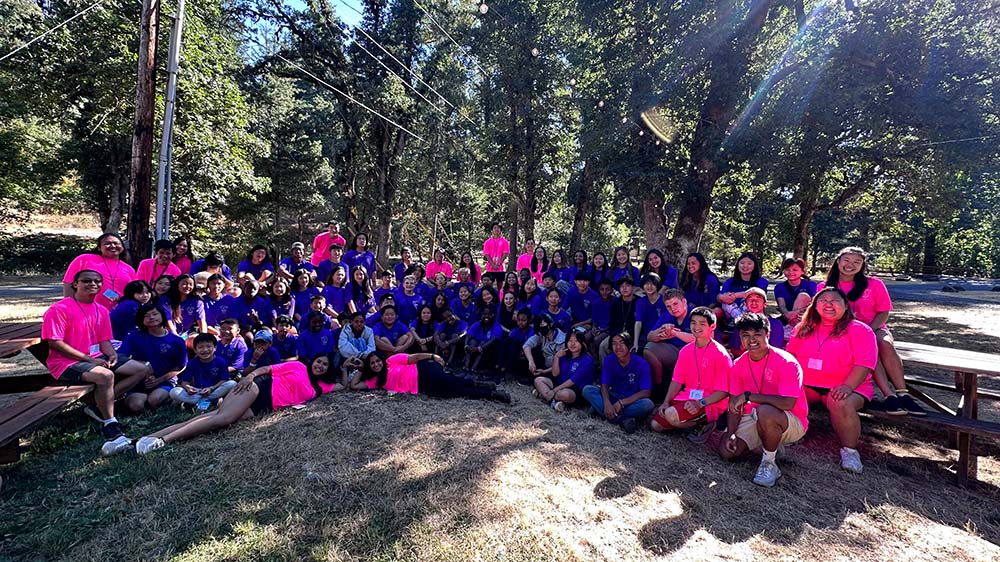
{"x":623,"y":396}
{"x":697,"y":396}
{"x":259,"y":392}
{"x":572,"y":370}
{"x":205,"y":379}
{"x":767,"y":404}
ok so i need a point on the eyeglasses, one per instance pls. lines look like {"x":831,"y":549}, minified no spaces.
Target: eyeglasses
{"x":90,"y":281}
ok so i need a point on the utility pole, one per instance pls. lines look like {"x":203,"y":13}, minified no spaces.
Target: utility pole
{"x":140,"y":179}
{"x":166,"y":141}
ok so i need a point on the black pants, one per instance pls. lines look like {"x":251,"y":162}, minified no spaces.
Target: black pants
{"x":433,"y":381}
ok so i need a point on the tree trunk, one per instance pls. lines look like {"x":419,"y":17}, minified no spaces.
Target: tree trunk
{"x":141,"y":183}
{"x":112,"y":220}
{"x":654,"y":222}
{"x":583,"y":200}
{"x":930,"y":265}
{"x":807,"y":209}
{"x":512,"y":212}
{"x":728,"y":65}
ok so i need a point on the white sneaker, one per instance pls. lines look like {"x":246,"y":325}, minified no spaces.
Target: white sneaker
{"x":559,"y":406}
{"x":767,"y":474}
{"x":148,"y":444}
{"x":115,"y":446}
{"x":534,"y":393}
{"x":850,"y":460}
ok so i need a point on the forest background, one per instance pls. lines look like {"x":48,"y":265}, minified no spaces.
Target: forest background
{"x":792,"y":126}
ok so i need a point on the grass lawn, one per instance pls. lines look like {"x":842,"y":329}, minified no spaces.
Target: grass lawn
{"x":367,"y":476}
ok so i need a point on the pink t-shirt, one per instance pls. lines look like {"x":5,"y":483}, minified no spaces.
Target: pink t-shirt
{"x":401,"y":375}
{"x":706,"y":370}
{"x":433,"y":268}
{"x":116,"y":274}
{"x":874,"y":300}
{"x":524,"y":262}
{"x":79,"y":325}
{"x":778,"y":374}
{"x":495,"y":247}
{"x":321,"y":247}
{"x":827,"y":361}
{"x":290,"y":385}
{"x":183,"y":263}
{"x":150,"y":271}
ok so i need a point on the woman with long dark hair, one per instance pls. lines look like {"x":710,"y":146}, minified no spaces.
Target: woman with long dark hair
{"x":420,"y":373}
{"x":108,"y":259}
{"x":746,"y":274}
{"x":700,"y":285}
{"x":184,"y":253}
{"x":654,"y":262}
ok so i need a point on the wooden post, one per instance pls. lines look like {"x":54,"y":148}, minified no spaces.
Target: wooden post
{"x":141,"y":177}
{"x":967,"y":464}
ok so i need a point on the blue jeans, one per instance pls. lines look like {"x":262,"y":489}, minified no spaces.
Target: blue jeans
{"x":638,"y":409}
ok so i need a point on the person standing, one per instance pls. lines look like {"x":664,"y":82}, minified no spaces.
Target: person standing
{"x":106,"y":260}
{"x":496,"y":249}
{"x":322,"y":242}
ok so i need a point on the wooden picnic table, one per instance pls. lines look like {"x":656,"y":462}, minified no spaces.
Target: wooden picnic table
{"x":967,"y":367}
{"x":14,"y":338}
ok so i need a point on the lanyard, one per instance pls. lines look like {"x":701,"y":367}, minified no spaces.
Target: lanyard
{"x":697,"y":361}
{"x":111,"y":276}
{"x":91,"y":325}
{"x":759,"y":384}
{"x":155,"y":275}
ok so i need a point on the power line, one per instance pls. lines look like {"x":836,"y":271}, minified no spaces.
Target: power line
{"x":464,"y":50}
{"x":77,"y":15}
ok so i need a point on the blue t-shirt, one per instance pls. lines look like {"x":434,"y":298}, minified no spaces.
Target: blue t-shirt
{"x":391,"y":333}
{"x":291,"y":267}
{"x":708,"y":297}
{"x":192,"y":310}
{"x":786,"y":291}
{"x":123,"y":319}
{"x":201,"y":374}
{"x":232,"y":352}
{"x":519,"y":336}
{"x":451,"y":330}
{"x":647,"y":313}
{"x":270,"y":357}
{"x":199,"y":265}
{"x":406,"y":306}
{"x":164,"y":353}
{"x":464,"y":312}
{"x":287,"y":347}
{"x":562,"y":274}
{"x":366,"y":260}
{"x":326,"y":269}
{"x":535,"y":303}
{"x":580,"y":370}
{"x":596,"y":276}
{"x":242,"y":308}
{"x":423,"y":330}
{"x":336,"y":297}
{"x":485,"y":334}
{"x":311,"y":344}
{"x":630,"y":271}
{"x":217,"y":310}
{"x":304,"y":322}
{"x":628,"y":379}
{"x":600,"y":311}
{"x":286,"y":308}
{"x":738,"y":285}
{"x":303,"y":299}
{"x":562,"y":319}
{"x":255,"y":270}
{"x":580,"y":305}
{"x":684,"y":326}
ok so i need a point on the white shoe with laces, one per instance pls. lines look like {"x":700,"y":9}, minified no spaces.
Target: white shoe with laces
{"x":148,"y":444}
{"x":850,"y":460}
{"x":115,"y":446}
{"x":767,"y":474}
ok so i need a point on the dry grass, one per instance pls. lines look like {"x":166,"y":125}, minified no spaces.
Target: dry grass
{"x":369,"y":476}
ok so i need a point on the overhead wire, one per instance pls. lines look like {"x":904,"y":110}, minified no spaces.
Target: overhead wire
{"x":39,"y":37}
{"x":461,"y":48}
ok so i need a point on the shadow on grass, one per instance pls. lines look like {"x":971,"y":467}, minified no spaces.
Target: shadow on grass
{"x":377,"y":477}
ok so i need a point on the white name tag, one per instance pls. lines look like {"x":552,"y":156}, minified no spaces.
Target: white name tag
{"x":816,"y":364}
{"x":696,"y":394}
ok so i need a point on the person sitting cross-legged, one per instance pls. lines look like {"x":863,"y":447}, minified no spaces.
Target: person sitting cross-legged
{"x":572,"y":370}
{"x":767,"y":404}
{"x":205,"y":378}
{"x":623,"y":396}
{"x":699,"y":391}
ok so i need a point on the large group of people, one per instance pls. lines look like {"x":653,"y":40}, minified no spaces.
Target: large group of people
{"x":636,"y":346}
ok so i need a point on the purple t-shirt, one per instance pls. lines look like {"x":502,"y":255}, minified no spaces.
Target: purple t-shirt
{"x":256,"y":270}
{"x":336,"y":297}
{"x":192,"y":311}
{"x":287,"y":347}
{"x":232,"y":352}
{"x":260,"y":305}
{"x":164,"y":353}
{"x":451,"y":330}
{"x":270,"y":357}
{"x":217,"y":310}
{"x":325,"y":269}
{"x":738,"y":285}
{"x":289,"y":265}
{"x":200,"y":374}
{"x":580,"y":370}
{"x":311,"y":344}
{"x":632,"y":271}
{"x":354,"y":259}
{"x":391,"y":333}
{"x":406,"y":306}
{"x":600,"y":311}
{"x":561,"y":319}
{"x":628,"y":379}
{"x":581,"y":305}
{"x":647,"y":313}
{"x":303,"y":299}
{"x":485,"y":334}
{"x":789,"y":294}
{"x":464,"y":312}
{"x":708,"y":297}
{"x":684,"y":326}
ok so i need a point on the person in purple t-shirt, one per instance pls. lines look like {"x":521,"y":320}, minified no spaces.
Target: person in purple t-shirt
{"x":572,"y":371}
{"x":482,"y":341}
{"x":580,"y":301}
{"x":391,"y":335}
{"x":449,"y":334}
{"x":623,"y":396}
{"x":746,"y":274}
{"x":358,"y":255}
{"x":256,"y":266}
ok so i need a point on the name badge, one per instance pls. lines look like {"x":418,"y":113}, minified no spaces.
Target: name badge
{"x":110,"y":294}
{"x":95,"y":349}
{"x":816,"y":364}
{"x":696,"y":394}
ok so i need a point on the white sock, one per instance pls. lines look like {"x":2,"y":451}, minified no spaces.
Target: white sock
{"x":769,"y":455}
{"x":849,"y":450}
{"x":111,"y":420}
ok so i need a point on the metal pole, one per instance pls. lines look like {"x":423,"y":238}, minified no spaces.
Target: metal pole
{"x":168,"y":118}
{"x":170,"y":185}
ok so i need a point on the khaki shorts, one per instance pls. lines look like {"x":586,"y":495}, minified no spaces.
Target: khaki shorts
{"x":747,"y":431}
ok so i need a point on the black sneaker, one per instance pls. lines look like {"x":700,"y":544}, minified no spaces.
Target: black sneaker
{"x":910,"y":405}
{"x":629,"y":425}
{"x":892,"y":406}
{"x":112,"y":431}
{"x":501,"y":395}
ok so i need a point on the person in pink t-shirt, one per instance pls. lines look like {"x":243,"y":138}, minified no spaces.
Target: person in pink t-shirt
{"x":183,"y":253}
{"x":438,"y":265}
{"x":699,"y":391}
{"x":108,"y":261}
{"x":837,"y":354}
{"x":78,"y":333}
{"x":767,"y":404}
{"x":161,"y":264}
{"x":524,"y":260}
{"x":421,"y":373}
{"x":496,"y":249}
{"x":259,"y":392}
{"x":322,"y":242}
{"x":869,"y":300}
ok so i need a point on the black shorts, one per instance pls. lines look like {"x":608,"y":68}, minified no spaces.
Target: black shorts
{"x":824,"y":391}
{"x":263,"y":404}
{"x":74,"y":373}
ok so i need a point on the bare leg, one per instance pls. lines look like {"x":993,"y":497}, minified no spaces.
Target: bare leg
{"x":103,"y":380}
{"x":135,"y":403}
{"x":771,"y":424}
{"x":845,"y":420}
{"x":566,"y":396}
{"x":543,"y":385}
{"x":234,"y":408}
{"x":157,"y":398}
{"x":890,"y":360}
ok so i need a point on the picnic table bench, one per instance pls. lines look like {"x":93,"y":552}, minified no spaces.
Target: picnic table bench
{"x":962,"y":422}
{"x":46,"y":399}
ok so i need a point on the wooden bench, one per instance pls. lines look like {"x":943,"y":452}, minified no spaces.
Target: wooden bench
{"x":963,"y":422}
{"x":47,"y":399}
